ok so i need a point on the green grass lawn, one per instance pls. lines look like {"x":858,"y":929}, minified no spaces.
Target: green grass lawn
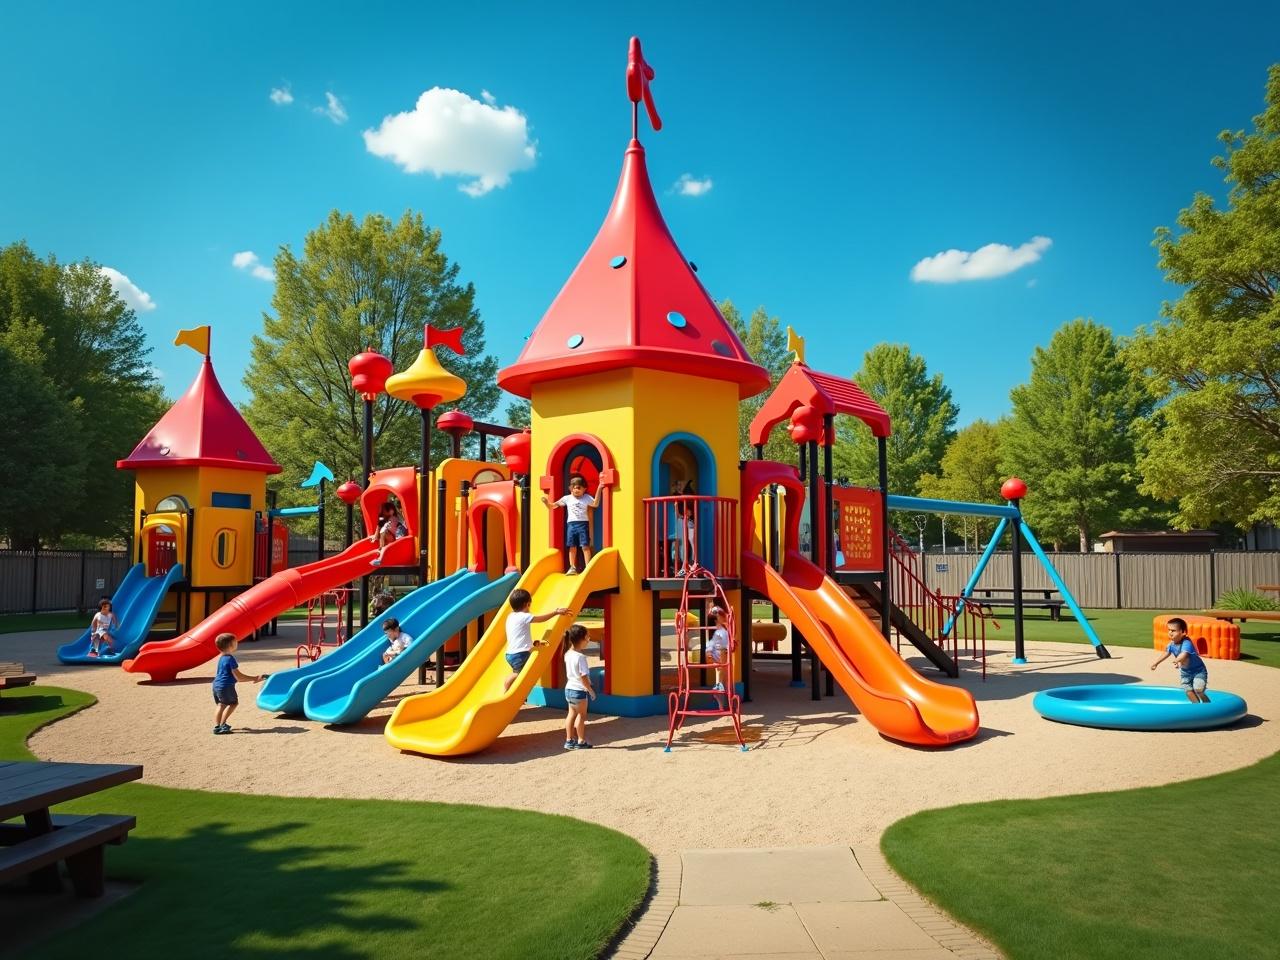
{"x":225,"y":874}
{"x":25,"y":622}
{"x":1187,"y":870}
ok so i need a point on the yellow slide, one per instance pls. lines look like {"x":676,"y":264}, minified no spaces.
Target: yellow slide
{"x":470,"y":711}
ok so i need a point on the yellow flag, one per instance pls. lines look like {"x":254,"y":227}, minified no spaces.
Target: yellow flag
{"x":795,"y":343}
{"x":197,"y":338}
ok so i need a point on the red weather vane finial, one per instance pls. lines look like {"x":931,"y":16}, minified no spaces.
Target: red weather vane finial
{"x":639,"y":74}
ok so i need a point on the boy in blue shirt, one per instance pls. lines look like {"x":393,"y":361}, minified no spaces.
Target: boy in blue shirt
{"x":1192,"y":672}
{"x":224,"y":681}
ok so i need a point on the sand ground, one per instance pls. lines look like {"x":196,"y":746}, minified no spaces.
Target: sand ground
{"x":817,"y":773}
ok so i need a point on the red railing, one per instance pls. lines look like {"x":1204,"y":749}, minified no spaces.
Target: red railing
{"x":319,"y":624}
{"x":683,"y":532}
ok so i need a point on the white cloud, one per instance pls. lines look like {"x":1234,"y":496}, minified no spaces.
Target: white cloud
{"x":488,"y":97}
{"x":281,"y":96}
{"x":333,"y":109}
{"x":128,"y":291}
{"x":451,"y":134}
{"x":993,"y":260}
{"x":248,"y":260}
{"x":690,"y":186}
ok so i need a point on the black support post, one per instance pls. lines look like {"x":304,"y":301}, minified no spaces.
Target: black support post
{"x":1019,"y":647}
{"x":351,"y":527}
{"x":364,"y":484}
{"x":424,"y":502}
{"x":320,"y":522}
{"x":886,"y":601}
{"x":815,"y":506}
{"x":524,"y":523}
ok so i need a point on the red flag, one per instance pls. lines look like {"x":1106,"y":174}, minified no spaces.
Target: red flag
{"x":445,"y":338}
{"x":639,"y":73}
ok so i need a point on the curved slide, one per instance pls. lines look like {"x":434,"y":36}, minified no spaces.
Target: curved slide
{"x":347,"y":694}
{"x":471,"y":710}
{"x":135,"y":603}
{"x":283,"y":591}
{"x":899,"y":702}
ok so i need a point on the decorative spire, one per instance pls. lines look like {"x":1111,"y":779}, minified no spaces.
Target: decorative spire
{"x":639,"y":74}
{"x":795,"y":343}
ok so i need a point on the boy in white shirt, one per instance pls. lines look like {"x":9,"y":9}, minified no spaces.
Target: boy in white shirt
{"x":520,"y":642}
{"x":577,"y":688}
{"x":104,"y":621}
{"x":718,"y":647}
{"x":578,"y":529}
{"x":398,"y":639}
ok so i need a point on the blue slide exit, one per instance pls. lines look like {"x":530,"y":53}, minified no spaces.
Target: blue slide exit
{"x":346,"y":695}
{"x":135,"y":603}
{"x":282,"y":692}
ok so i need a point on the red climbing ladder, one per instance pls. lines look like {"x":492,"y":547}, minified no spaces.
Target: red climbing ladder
{"x":726,"y":702}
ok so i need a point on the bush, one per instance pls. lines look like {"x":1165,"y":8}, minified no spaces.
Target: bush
{"x":1242,"y":599}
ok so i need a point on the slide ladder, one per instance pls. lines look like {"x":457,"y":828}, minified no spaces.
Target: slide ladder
{"x":688,"y":686}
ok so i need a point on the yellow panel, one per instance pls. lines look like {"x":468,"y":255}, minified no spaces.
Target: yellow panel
{"x":208,"y":522}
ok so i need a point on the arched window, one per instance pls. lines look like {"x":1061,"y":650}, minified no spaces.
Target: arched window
{"x":224,"y":548}
{"x":173,"y":504}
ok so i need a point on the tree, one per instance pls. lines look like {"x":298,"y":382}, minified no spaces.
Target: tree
{"x":1213,"y":443}
{"x":970,"y":472}
{"x":71,"y":330}
{"x":921,"y":412}
{"x":358,"y":285}
{"x":766,"y":344}
{"x":518,"y":413}
{"x":1071,"y":439}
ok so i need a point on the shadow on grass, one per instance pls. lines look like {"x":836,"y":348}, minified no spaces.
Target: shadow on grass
{"x":31,"y":704}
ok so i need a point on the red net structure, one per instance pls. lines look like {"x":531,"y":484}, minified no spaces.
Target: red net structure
{"x":698,"y":692}
{"x":326,"y":623}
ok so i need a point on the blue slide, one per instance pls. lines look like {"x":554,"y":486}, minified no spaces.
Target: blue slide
{"x":282,"y":692}
{"x":135,"y":603}
{"x":347,"y":694}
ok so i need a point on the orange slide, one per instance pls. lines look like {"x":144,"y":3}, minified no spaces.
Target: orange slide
{"x":165,"y":659}
{"x":898,"y":701}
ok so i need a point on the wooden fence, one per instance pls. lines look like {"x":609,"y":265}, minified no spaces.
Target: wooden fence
{"x":48,"y":580}
{"x":1135,"y":581}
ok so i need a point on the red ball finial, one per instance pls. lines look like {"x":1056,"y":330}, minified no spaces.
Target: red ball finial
{"x":455,"y":423}
{"x":806,"y":424}
{"x":516,"y":450}
{"x":369,"y":372}
{"x":1013,"y":489}
{"x":348,"y":493}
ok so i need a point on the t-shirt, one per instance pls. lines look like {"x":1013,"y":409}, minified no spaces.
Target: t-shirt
{"x":395,"y":527}
{"x":102,"y":622}
{"x":1194,"y":663}
{"x":575,"y":668}
{"x":718,"y":645}
{"x":226,"y":677}
{"x":400,"y":643}
{"x":520,"y":632}
{"x":577,"y":506}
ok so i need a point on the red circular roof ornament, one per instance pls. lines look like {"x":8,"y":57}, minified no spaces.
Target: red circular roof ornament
{"x":516,"y":449}
{"x":349,"y":492}
{"x":1013,"y":489}
{"x":455,"y":423}
{"x":369,"y":372}
{"x":806,"y":424}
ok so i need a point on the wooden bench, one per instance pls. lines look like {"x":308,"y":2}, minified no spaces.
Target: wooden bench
{"x":1035,"y":597}
{"x":14,"y":675}
{"x":77,"y":840}
{"x":1243,"y":615}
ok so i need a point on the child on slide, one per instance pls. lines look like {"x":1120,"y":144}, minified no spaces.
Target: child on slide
{"x":390,"y":529}
{"x":103,"y":622}
{"x":520,"y":642}
{"x":399,"y":640}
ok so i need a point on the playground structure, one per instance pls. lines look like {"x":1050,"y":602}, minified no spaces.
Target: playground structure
{"x":634,"y":380}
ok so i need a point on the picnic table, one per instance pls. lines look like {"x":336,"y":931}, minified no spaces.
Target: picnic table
{"x":14,"y":675}
{"x":1045,"y":598}
{"x":1269,"y":587}
{"x":34,"y":847}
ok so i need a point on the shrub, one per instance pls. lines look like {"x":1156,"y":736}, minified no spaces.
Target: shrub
{"x":1242,"y":599}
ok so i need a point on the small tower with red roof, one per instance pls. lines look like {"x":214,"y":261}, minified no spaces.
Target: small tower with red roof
{"x":634,"y":379}
{"x":200,"y":476}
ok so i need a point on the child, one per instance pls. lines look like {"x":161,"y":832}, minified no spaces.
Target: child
{"x":398,"y":638}
{"x":520,"y":642}
{"x":224,"y":682}
{"x":577,"y":688}
{"x":687,"y":514}
{"x":718,"y":647}
{"x":103,"y":621}
{"x":1192,"y":672}
{"x":578,"y":531}
{"x":390,"y":528}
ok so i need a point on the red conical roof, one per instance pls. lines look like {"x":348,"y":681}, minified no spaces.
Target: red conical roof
{"x":203,"y":429}
{"x":633,"y":301}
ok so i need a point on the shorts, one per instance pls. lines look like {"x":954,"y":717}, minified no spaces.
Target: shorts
{"x":1194,"y":681}
{"x":573,"y":697}
{"x":225,"y":696}
{"x":578,"y":534}
{"x":516,"y":661}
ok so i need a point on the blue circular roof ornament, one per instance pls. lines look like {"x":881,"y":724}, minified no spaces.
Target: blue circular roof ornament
{"x":722,"y":348}
{"x":575,"y":341}
{"x":677,"y":320}
{"x":693,"y":266}
{"x":618,"y":261}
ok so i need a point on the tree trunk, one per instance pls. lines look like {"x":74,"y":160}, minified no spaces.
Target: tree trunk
{"x":1084,"y":539}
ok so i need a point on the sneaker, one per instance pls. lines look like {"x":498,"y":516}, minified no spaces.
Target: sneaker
{"x":375,"y":562}
{"x":719,"y":687}
{"x":217,"y":728}
{"x":583,"y":745}
{"x":93,"y":653}
{"x":226,"y":728}
{"x":571,"y":744}
{"x":571,"y":572}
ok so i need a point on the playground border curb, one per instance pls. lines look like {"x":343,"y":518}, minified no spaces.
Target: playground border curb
{"x":650,"y":919}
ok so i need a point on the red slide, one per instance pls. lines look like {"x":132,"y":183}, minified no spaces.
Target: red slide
{"x":165,"y":659}
{"x":894,"y":698}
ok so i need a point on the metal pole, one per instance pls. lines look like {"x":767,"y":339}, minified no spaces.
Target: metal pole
{"x":320,"y":530}
{"x":364,"y":483}
{"x":351,"y":528}
{"x":524,"y":523}
{"x":1019,"y":647}
{"x":35,"y":574}
{"x":759,"y":451}
{"x":886,"y":601}
{"x":815,"y":506}
{"x":484,"y":446}
{"x":424,"y":502}
{"x":828,"y":528}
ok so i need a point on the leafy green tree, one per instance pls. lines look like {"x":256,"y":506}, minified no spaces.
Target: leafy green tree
{"x":370,"y":284}
{"x":766,"y":343}
{"x":518,"y":413}
{"x":79,"y":338}
{"x":1213,"y":443}
{"x":1071,"y":439}
{"x":970,"y":472}
{"x":922,"y":414}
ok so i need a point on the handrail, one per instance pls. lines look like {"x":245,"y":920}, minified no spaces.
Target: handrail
{"x":685,"y":531}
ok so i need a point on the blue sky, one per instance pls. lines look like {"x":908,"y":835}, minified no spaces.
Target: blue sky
{"x":843,"y":144}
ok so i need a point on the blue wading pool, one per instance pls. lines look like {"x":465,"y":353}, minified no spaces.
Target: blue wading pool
{"x":1137,"y":706}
